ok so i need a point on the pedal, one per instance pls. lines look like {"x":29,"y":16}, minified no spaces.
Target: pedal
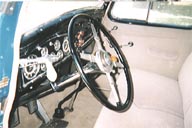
{"x":32,"y":106}
{"x":55,"y":123}
{"x":41,"y":113}
{"x":15,"y":119}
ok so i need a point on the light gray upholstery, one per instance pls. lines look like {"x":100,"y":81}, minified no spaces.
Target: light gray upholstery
{"x":159,"y":102}
{"x":185,"y":82}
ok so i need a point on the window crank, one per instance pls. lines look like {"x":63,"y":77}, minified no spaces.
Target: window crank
{"x":130,"y":44}
{"x":114,"y":28}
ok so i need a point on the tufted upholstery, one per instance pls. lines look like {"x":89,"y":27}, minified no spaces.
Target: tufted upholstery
{"x":159,"y":102}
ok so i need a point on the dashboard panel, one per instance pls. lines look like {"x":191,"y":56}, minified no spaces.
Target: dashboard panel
{"x":50,"y":41}
{"x":55,"y":49}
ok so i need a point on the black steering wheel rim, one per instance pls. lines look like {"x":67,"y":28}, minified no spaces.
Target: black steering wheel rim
{"x":89,"y":83}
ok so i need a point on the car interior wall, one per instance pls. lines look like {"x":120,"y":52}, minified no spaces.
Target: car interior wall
{"x":156,"y":49}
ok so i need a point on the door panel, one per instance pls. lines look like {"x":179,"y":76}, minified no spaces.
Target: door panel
{"x":156,"y":49}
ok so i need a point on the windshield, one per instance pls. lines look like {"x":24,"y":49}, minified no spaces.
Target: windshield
{"x":178,"y":14}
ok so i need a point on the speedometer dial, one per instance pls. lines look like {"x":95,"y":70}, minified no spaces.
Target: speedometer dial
{"x":57,"y":45}
{"x":31,"y":69}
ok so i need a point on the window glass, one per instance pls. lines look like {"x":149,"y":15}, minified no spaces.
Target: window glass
{"x":130,"y":10}
{"x":161,"y":13}
{"x":179,"y":14}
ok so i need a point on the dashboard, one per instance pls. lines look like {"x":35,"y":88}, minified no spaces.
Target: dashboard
{"x":56,"y":49}
{"x":49,"y":41}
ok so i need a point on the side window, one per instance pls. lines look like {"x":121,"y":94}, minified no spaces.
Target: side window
{"x":130,"y":10}
{"x":175,"y":14}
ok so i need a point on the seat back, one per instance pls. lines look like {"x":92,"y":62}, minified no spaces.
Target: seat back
{"x":185,"y":83}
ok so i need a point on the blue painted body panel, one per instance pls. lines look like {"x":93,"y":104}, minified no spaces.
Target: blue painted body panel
{"x":8,"y":23}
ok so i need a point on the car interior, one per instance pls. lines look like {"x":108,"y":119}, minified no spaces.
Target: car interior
{"x":130,"y":70}
{"x":160,"y":62}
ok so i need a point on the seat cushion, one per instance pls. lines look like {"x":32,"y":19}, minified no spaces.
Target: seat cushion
{"x":185,"y":82}
{"x":157,"y":104}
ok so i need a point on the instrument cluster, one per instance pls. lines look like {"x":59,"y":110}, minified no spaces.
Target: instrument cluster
{"x":55,"y":48}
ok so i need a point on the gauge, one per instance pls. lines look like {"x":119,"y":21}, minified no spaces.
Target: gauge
{"x":60,"y":54}
{"x":65,"y":45}
{"x":57,"y":45}
{"x":31,"y":69}
{"x":52,"y":53}
{"x":44,"y":51}
{"x":43,"y":67}
{"x":54,"y":57}
{"x":50,"y":43}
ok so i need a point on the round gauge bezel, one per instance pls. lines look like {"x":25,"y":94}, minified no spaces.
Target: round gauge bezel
{"x":60,"y":54}
{"x":35,"y":68}
{"x":44,"y":51}
{"x":57,"y":45}
{"x":65,"y":45}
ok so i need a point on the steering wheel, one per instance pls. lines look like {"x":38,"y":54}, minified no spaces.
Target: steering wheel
{"x":97,"y":56}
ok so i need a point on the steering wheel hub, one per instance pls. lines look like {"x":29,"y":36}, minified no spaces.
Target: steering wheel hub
{"x":103,"y":59}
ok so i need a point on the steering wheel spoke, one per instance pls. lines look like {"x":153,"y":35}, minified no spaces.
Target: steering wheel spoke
{"x":118,"y":65}
{"x":96,"y":37}
{"x":88,"y":57}
{"x":114,"y":88}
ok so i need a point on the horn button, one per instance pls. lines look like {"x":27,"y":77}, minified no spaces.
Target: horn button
{"x":103,"y":60}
